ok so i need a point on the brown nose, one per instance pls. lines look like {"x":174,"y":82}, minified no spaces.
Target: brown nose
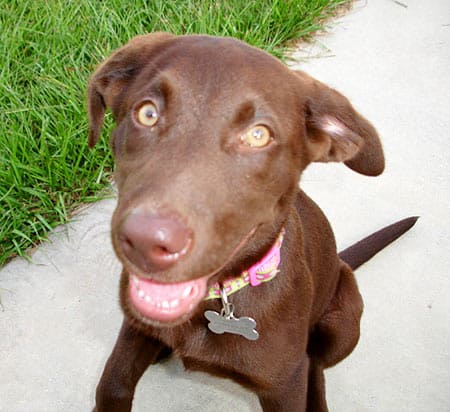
{"x":154,"y":243}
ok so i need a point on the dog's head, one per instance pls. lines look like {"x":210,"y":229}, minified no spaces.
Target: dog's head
{"x":211,"y":138}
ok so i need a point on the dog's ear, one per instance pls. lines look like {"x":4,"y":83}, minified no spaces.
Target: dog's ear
{"x":336,"y":132}
{"x":114,"y":74}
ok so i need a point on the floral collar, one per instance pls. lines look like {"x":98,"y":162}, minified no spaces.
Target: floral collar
{"x":262,"y":271}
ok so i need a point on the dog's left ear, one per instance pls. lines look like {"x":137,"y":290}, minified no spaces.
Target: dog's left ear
{"x":336,"y":132}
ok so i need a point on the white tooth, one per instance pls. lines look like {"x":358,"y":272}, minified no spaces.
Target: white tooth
{"x":148,"y":299}
{"x":141,"y":294}
{"x":165,"y":304}
{"x":135,"y":280}
{"x":187,"y":291}
{"x":174,"y":303}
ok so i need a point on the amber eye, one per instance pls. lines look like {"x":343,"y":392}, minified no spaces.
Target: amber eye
{"x":147,"y":114}
{"x":257,"y":136}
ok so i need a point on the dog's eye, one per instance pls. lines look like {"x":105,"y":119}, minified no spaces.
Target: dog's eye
{"x":257,"y":136}
{"x":147,"y":114}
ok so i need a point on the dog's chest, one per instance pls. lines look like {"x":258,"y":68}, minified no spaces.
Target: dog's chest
{"x":197,"y":342}
{"x":223,"y":355}
{"x":233,"y":356}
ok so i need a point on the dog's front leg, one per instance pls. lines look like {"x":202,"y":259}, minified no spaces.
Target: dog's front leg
{"x":291,"y":396}
{"x":131,"y":356}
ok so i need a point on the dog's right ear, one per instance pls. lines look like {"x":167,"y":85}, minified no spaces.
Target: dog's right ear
{"x":114,"y":74}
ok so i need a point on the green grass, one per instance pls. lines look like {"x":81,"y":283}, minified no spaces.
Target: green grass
{"x":47,"y":51}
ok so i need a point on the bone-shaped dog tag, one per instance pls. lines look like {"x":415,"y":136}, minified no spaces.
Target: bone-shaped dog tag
{"x":244,"y":326}
{"x":225,"y":321}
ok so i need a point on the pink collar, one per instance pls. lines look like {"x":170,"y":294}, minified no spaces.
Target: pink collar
{"x":262,"y":271}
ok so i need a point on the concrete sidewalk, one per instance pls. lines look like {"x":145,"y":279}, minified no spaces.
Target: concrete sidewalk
{"x":59,"y":315}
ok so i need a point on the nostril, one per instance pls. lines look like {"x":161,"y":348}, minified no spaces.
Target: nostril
{"x":153,"y":242}
{"x":125,"y":241}
{"x":162,"y":251}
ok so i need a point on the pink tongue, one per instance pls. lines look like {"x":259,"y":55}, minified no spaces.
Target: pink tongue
{"x":165,"y":302}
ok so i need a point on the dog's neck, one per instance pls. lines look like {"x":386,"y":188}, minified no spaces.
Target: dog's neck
{"x":262,"y":271}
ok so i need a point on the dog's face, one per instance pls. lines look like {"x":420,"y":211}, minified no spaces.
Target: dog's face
{"x":211,"y":138}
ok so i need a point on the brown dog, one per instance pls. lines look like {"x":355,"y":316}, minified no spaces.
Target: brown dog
{"x":212,"y":136}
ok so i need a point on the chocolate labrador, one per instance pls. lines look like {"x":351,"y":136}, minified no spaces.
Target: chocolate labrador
{"x":226,"y":262}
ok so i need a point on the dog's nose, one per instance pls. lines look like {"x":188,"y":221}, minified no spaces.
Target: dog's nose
{"x":152,"y":242}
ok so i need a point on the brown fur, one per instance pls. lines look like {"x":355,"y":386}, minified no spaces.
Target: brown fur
{"x":191,"y":164}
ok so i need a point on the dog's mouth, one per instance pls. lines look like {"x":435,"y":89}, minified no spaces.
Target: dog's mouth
{"x":170,"y":303}
{"x":165,"y":302}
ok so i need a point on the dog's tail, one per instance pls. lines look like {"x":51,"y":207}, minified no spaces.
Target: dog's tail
{"x":365,"y":249}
